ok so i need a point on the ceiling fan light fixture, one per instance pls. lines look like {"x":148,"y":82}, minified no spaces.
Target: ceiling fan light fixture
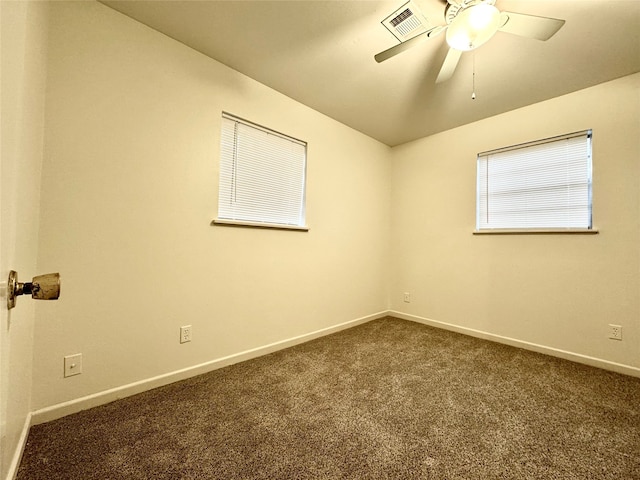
{"x":473,"y":26}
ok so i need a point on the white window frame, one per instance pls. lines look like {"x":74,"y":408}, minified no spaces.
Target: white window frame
{"x":262,"y":181}
{"x":544,"y":186}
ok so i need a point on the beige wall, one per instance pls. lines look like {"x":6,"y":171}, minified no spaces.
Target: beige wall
{"x":24,"y":29}
{"x":129,"y":189}
{"x":558,"y":291}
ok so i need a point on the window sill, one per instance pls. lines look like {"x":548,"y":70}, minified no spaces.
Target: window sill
{"x":273,"y":226}
{"x":543,"y":231}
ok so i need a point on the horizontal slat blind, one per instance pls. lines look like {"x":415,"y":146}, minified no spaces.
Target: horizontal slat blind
{"x":545,"y":184}
{"x":262,"y":175}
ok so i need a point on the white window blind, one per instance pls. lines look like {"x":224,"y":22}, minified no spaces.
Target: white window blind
{"x":262,"y":175}
{"x":538,"y":185}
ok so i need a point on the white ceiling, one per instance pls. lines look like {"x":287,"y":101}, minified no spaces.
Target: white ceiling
{"x":320,"y":53}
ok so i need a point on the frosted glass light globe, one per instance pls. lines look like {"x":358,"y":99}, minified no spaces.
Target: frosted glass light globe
{"x":473,"y":26}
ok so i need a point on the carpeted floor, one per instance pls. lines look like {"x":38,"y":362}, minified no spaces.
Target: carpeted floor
{"x":389,"y":399}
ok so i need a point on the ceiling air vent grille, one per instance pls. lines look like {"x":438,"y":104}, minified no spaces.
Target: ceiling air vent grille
{"x":406,"y":22}
{"x":400,"y":18}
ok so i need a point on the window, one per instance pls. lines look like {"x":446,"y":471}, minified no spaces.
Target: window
{"x":543,"y":185}
{"x":262,"y":176}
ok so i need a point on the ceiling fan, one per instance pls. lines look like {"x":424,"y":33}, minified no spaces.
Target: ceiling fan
{"x":471,"y":23}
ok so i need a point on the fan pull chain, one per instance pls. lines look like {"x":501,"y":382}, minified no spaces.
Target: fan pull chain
{"x":473,"y":93}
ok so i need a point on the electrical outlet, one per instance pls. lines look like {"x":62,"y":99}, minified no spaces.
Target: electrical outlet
{"x":185,"y":334}
{"x":73,"y":365}
{"x":407,"y":297}
{"x":615,"y":332}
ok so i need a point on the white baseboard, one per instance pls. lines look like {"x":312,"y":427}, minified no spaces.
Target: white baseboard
{"x":54,"y":412}
{"x":555,"y":352}
{"x":17,"y":455}
{"x":66,"y":408}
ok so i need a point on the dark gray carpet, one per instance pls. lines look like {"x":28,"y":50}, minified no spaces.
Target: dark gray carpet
{"x":389,"y":399}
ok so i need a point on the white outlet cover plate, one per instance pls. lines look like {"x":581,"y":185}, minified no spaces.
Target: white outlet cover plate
{"x":73,"y":365}
{"x":615,"y":332}
{"x":185,"y":334}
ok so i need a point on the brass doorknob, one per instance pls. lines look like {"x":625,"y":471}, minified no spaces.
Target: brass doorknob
{"x":42,"y":287}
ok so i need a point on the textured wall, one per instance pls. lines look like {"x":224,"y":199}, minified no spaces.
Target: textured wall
{"x":130,"y":182}
{"x":559,"y":291}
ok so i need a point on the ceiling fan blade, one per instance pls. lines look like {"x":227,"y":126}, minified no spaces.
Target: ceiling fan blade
{"x":449,"y":65}
{"x":401,"y":47}
{"x":531,"y":26}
